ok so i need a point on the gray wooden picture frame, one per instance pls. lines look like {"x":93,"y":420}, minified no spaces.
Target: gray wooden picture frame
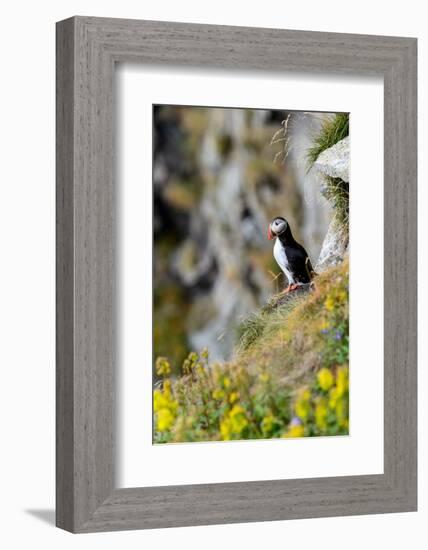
{"x":87,"y":50}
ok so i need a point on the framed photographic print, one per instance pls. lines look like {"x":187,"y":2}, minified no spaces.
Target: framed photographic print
{"x":236,"y":274}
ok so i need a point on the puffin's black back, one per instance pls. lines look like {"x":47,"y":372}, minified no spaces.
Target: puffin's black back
{"x":298,"y":259}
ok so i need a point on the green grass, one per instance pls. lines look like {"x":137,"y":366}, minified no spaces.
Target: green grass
{"x":259,"y":322}
{"x":333,"y":130}
{"x":250,"y":329}
{"x":335,"y":190}
{"x":286,"y":336}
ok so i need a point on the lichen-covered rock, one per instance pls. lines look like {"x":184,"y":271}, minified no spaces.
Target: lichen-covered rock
{"x":334,"y":248}
{"x":332,"y":165}
{"x":335,"y":161}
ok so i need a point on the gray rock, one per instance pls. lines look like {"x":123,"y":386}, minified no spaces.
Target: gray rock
{"x":335,"y":161}
{"x":334,"y":248}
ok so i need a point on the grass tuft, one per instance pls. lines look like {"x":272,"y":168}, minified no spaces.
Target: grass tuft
{"x":336,"y":191}
{"x":250,"y":329}
{"x":333,"y":130}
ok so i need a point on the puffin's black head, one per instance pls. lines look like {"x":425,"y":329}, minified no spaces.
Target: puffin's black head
{"x":277,"y":227}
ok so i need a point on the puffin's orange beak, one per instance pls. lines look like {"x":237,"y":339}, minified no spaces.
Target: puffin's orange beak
{"x":270,"y":234}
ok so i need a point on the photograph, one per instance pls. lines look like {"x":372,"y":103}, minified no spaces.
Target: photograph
{"x":210,"y":275}
{"x":250,"y":274}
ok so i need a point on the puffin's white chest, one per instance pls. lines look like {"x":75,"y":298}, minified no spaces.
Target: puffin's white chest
{"x":282,"y":260}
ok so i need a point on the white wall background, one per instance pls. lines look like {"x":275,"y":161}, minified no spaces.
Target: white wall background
{"x":27,"y":272}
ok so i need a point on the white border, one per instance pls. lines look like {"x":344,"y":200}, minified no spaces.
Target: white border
{"x":144,"y":464}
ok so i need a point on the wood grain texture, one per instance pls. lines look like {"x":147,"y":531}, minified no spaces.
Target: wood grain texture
{"x":64,"y":276}
{"x":87,"y":50}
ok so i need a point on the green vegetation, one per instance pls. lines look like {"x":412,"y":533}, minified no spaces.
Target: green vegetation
{"x":333,"y":130}
{"x":335,"y":190}
{"x":289,"y":376}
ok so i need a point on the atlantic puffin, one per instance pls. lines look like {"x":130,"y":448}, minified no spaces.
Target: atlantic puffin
{"x":291,"y":257}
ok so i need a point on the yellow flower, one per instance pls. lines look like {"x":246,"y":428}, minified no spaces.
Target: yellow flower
{"x":264,"y":377}
{"x":233,"y":397}
{"x":324,"y":325}
{"x":342,"y":383}
{"x":165,"y":419}
{"x":225,"y":429}
{"x":267,"y":424}
{"x":303,"y":409}
{"x":342,"y":296}
{"x":200,"y":371}
{"x":167,"y":386}
{"x":226,"y":382}
{"x":342,"y":412}
{"x":193,"y":356}
{"x":325,"y":379}
{"x":329,"y":303}
{"x":159,"y":400}
{"x":303,"y":406}
{"x":164,"y":400}
{"x":333,"y":397}
{"x":234,"y":423}
{"x":163,"y":368}
{"x":321,"y":415}
{"x":295,"y":431}
{"x":218,"y":394}
{"x":190,"y":362}
{"x":305,"y":394}
{"x":237,"y":410}
{"x":238,"y":423}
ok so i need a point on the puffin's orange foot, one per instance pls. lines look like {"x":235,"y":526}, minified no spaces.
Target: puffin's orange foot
{"x":289,"y":288}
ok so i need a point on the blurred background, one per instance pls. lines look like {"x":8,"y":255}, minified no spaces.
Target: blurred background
{"x":219,"y":177}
